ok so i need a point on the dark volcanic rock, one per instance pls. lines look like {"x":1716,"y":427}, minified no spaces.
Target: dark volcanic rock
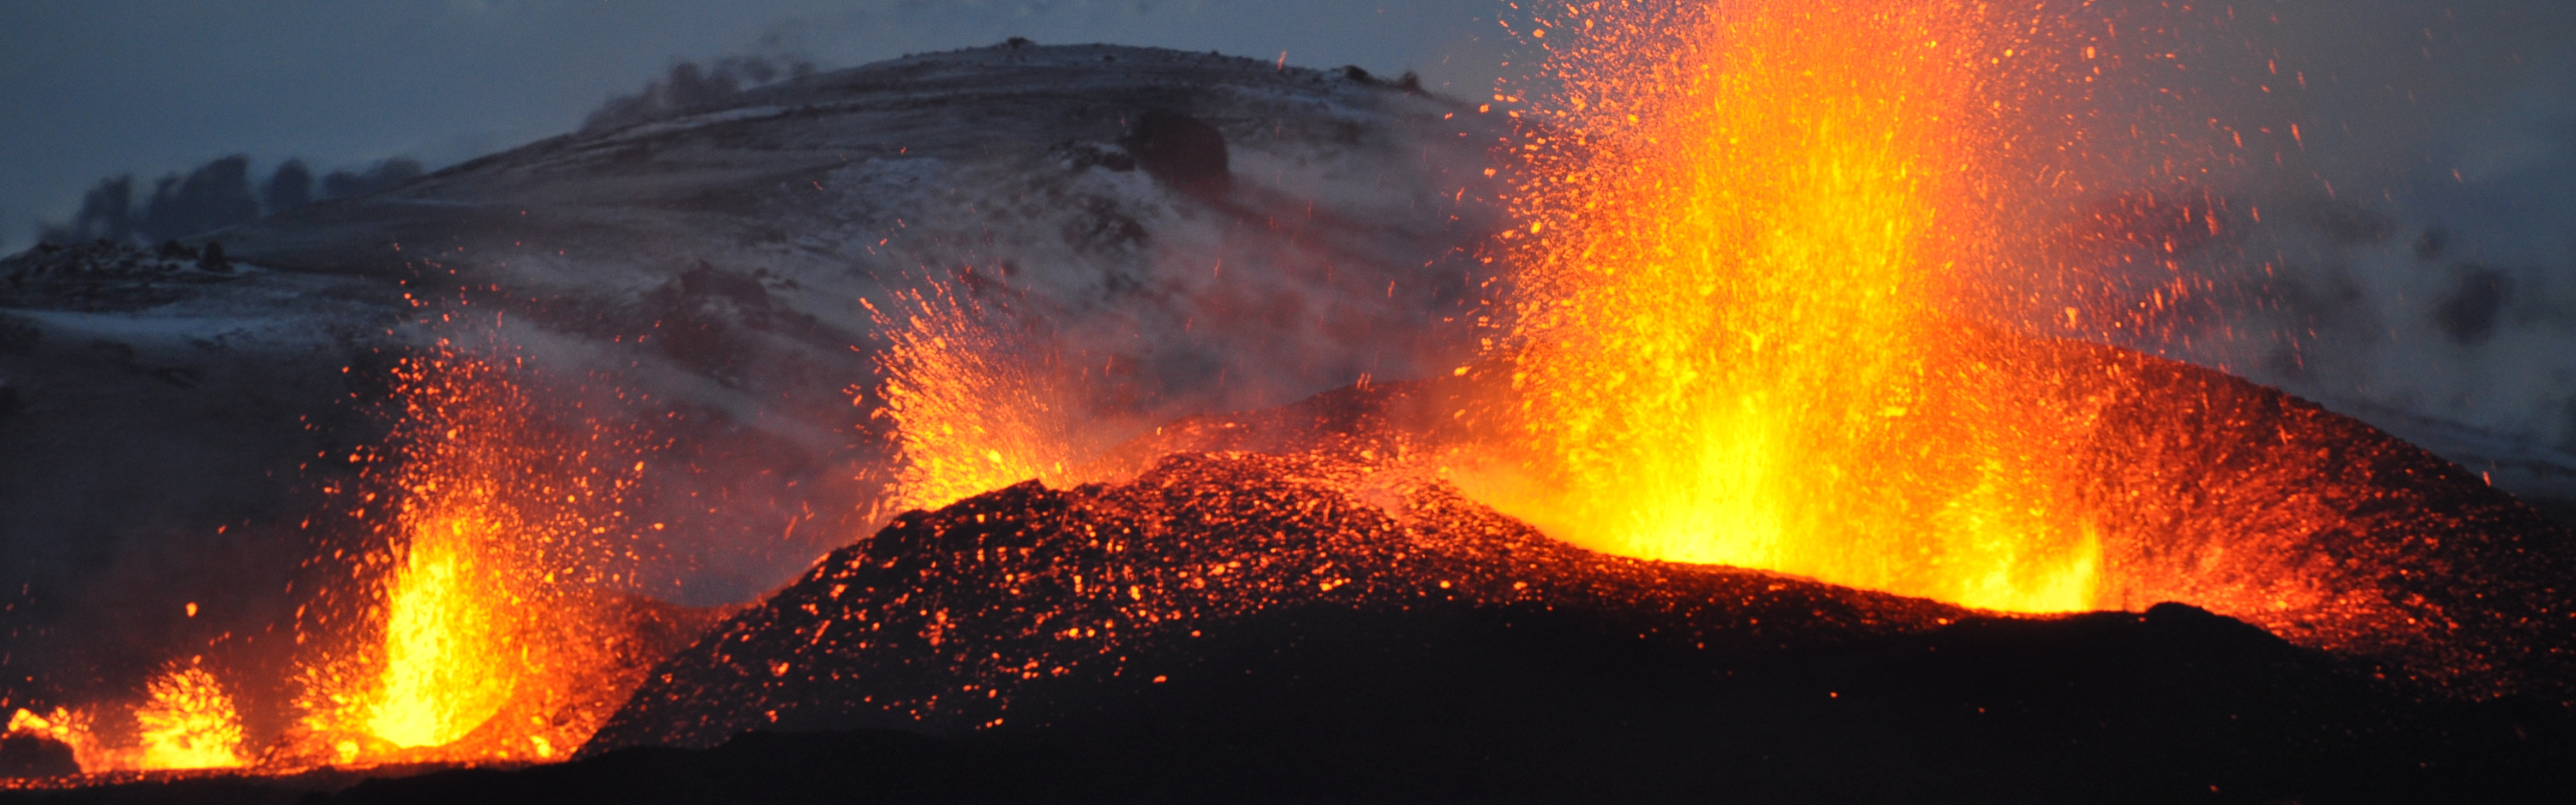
{"x":888,"y":767}
{"x":1443,"y":704}
{"x":1449,"y":702}
{"x":2209,"y":490}
{"x":35,"y":756}
{"x":1028,"y":605}
{"x":1021,"y":608}
{"x":1183,"y":151}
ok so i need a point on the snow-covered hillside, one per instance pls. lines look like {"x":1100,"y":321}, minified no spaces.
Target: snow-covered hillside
{"x":717,"y":267}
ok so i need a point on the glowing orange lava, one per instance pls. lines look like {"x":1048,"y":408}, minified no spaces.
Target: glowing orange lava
{"x":66,"y":726}
{"x":484,"y":620}
{"x":441,"y":633}
{"x":187,"y":722}
{"x":1733,"y":343}
{"x":481,"y":636}
{"x":973,"y":407}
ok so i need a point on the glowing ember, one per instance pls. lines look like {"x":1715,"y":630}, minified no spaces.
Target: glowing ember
{"x":440,"y":631}
{"x":68,"y":727}
{"x":1731,"y":340}
{"x":974,"y":407}
{"x":488,"y":637}
{"x":189,"y":723}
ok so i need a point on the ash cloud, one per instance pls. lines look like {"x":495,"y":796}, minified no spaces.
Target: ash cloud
{"x":215,"y":195}
{"x":353,"y":182}
{"x":2416,"y":247}
{"x":690,"y":86}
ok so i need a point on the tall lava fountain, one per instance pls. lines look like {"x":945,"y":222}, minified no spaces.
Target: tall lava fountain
{"x":1735,"y":339}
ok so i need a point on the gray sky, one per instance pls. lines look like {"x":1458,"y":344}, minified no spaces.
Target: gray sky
{"x":97,"y":87}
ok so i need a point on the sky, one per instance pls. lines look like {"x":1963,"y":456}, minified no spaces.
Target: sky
{"x":100,"y":87}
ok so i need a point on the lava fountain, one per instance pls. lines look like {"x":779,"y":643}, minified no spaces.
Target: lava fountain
{"x":187,"y":721}
{"x":1732,"y":344}
{"x":482,"y":610}
{"x":974,"y":405}
{"x":490,"y":620}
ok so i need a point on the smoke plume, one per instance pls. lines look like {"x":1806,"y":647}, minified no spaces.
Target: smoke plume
{"x":2415,"y":239}
{"x":215,"y":195}
{"x":690,"y":86}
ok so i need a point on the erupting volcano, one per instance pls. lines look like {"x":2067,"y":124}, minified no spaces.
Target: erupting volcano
{"x":493,"y":628}
{"x":1762,"y":452}
{"x":1737,"y":336}
{"x":479,"y":618}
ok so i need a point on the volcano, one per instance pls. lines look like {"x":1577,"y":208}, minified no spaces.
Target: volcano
{"x":2408,"y":567}
{"x":190,"y":431}
{"x":1275,"y":609}
{"x":628,"y":366}
{"x":1280,"y":606}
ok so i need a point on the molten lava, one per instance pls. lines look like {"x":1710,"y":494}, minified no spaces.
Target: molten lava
{"x":477,"y":608}
{"x":974,"y":406}
{"x":439,"y":633}
{"x":505,"y":516}
{"x":1731,"y":342}
{"x":187,"y":722}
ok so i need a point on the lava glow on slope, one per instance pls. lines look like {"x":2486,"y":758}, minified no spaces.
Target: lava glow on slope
{"x":476,"y":621}
{"x":974,"y":406}
{"x":1732,"y":343}
{"x":1739,"y":336}
{"x":485,"y":629}
{"x":187,"y":722}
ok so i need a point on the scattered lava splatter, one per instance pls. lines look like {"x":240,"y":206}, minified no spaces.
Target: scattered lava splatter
{"x":187,"y":721}
{"x":482,"y":613}
{"x":974,"y":401}
{"x":490,"y":624}
{"x":941,"y":619}
{"x":1733,"y":340}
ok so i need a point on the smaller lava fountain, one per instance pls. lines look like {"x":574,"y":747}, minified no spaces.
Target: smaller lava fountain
{"x":975,"y":403}
{"x":477,"y":617}
{"x":187,"y":722}
{"x":495,"y":633}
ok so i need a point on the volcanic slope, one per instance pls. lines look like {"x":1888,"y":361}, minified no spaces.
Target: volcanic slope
{"x":1212,"y":232}
{"x":946,"y":620}
{"x":1015,"y":608}
{"x":2213,"y":491}
{"x":162,"y":413}
{"x":1188,"y":232}
{"x":1237,"y":628}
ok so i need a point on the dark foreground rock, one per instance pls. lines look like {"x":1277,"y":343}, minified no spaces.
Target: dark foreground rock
{"x":1444,"y":704}
{"x":35,"y":756}
{"x":1029,"y":607}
